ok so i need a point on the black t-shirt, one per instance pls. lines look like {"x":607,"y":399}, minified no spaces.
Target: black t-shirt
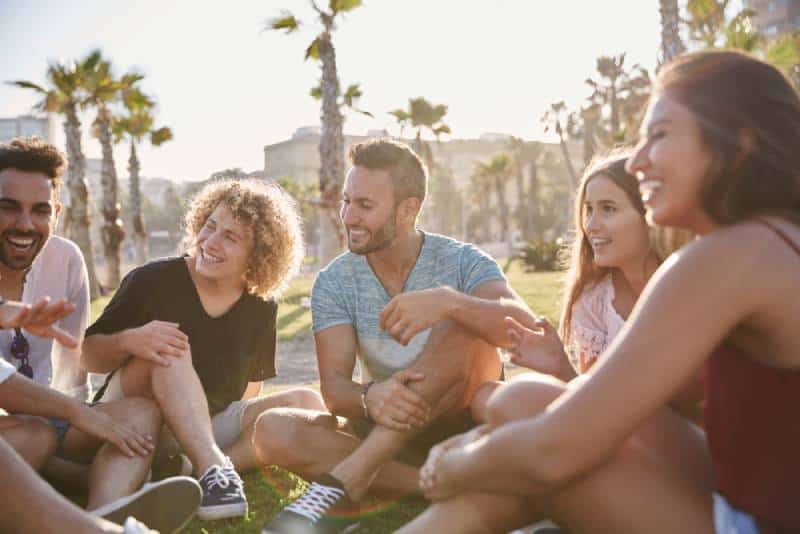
{"x":227,"y":351}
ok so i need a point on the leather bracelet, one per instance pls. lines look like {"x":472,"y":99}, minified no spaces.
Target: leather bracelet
{"x":364,"y":391}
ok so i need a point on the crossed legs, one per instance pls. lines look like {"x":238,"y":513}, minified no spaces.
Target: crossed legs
{"x":454,"y":363}
{"x":659,"y":481}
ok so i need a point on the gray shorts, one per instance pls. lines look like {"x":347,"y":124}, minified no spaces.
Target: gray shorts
{"x":729,"y":520}
{"x":226,"y":425}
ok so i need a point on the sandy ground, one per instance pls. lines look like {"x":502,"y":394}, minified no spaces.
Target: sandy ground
{"x":296,"y":361}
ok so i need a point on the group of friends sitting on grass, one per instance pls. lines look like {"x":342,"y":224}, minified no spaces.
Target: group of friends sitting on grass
{"x":665,"y":402}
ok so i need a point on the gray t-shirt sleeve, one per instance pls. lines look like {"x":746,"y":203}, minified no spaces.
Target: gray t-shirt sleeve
{"x":328,"y":302}
{"x":476,"y":268}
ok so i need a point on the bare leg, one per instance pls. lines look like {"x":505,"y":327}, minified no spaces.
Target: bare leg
{"x":633,"y":492}
{"x":241,"y":452}
{"x":480,"y":400}
{"x":179,"y":394}
{"x":311,"y":443}
{"x":29,"y":504}
{"x":33,"y":438}
{"x":665,"y":465}
{"x":455,"y":363}
{"x":113,"y":474}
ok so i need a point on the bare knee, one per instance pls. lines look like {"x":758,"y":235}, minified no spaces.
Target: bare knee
{"x":279,"y":434}
{"x":304,"y":398}
{"x":523,"y":398}
{"x":41,"y":441}
{"x":141,"y":413}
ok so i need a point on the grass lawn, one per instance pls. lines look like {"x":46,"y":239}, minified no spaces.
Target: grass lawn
{"x":269,"y":490}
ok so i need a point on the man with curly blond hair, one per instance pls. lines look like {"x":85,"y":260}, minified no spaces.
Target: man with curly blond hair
{"x":197,"y":333}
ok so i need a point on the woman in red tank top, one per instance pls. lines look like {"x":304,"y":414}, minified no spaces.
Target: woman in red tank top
{"x":718,"y":156}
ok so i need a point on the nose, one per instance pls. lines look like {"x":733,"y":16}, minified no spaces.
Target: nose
{"x":348,"y":214}
{"x":24,"y":222}
{"x":591,"y":223}
{"x":639,"y":160}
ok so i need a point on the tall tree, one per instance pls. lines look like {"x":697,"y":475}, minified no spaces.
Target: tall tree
{"x":497,"y":172}
{"x":422,"y":115}
{"x":526,"y":156}
{"x":671,"y":42}
{"x":64,"y":96}
{"x":104,"y":90}
{"x":553,"y":118}
{"x":331,"y":146}
{"x":137,"y":125}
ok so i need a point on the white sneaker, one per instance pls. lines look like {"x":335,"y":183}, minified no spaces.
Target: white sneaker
{"x":165,"y":506}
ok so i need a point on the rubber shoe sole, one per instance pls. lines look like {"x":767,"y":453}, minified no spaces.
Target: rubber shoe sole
{"x":222,"y":511}
{"x":165,"y":506}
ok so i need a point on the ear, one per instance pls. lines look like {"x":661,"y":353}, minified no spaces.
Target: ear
{"x":409,"y":208}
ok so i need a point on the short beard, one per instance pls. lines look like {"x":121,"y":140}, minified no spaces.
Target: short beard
{"x":14,"y":265}
{"x":381,"y":239}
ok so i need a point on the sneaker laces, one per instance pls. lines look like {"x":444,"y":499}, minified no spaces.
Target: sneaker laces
{"x":223,"y":476}
{"x":315,"y":502}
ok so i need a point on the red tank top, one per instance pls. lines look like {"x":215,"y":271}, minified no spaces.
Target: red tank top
{"x":752,"y":420}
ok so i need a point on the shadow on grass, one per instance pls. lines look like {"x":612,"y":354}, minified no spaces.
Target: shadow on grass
{"x":269,"y":490}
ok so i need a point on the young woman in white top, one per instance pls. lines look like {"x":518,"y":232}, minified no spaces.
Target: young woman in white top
{"x":613,"y":255}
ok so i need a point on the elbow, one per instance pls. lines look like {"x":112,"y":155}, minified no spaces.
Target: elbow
{"x":88,"y":361}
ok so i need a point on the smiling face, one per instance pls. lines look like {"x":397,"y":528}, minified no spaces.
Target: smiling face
{"x":223,"y":246}
{"x":368,"y":210}
{"x":28,"y":214}
{"x":671,"y":162}
{"x":615,"y":230}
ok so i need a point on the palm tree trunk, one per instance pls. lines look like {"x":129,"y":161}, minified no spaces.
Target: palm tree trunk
{"x":331,"y":155}
{"x":532,"y":229}
{"x":135,"y":194}
{"x":671,"y":43}
{"x":521,"y":215}
{"x":573,"y":178}
{"x":77,"y":214}
{"x":502,"y":206}
{"x":111,"y":232}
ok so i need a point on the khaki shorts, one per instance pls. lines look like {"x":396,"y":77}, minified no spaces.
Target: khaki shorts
{"x":226,"y":425}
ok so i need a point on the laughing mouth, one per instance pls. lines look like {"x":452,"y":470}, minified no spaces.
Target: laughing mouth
{"x":21,"y":244}
{"x":207,"y":257}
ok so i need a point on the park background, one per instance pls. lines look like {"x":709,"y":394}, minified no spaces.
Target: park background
{"x":506,"y":101}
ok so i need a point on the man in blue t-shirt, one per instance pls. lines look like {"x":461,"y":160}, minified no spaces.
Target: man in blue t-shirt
{"x":422,"y":314}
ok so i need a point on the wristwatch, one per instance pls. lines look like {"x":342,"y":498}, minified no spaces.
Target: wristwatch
{"x":364,"y":390}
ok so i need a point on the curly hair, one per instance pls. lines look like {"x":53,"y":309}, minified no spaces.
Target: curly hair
{"x":31,"y":154}
{"x":271,"y":215}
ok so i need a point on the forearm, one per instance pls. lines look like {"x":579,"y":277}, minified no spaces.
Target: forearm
{"x":20,"y":395}
{"x":342,"y":396}
{"x":485,"y":317}
{"x":103,"y":353}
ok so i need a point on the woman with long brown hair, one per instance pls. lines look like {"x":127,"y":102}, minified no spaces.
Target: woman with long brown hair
{"x":718,"y":156}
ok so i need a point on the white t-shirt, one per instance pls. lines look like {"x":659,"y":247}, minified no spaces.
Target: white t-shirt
{"x":57,"y":272}
{"x":595,"y":322}
{"x":6,"y":370}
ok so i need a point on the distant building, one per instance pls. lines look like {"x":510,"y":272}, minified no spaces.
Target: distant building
{"x":775,"y":17}
{"x":26,"y":126}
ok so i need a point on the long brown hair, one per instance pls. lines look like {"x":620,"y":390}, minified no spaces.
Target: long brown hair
{"x":748,"y":113}
{"x":582,"y":271}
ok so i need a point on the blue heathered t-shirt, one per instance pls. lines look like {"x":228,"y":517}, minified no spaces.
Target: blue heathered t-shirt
{"x":348,"y":292}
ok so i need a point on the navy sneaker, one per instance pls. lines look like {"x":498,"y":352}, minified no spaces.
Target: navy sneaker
{"x":223,"y":493}
{"x":309,"y":514}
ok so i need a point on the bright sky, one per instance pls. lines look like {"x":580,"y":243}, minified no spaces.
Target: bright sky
{"x":227,"y":89}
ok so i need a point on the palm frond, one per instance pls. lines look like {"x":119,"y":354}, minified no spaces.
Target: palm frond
{"x":285,"y":21}
{"x":343,"y":6}
{"x":313,"y":49}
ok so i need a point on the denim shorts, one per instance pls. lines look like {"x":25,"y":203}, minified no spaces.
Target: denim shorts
{"x":61,"y":426}
{"x":729,"y":520}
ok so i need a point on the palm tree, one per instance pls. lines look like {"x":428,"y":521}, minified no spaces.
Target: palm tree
{"x":65,"y":96}
{"x":331,"y":145}
{"x":552,"y":119}
{"x":671,"y":43}
{"x":104,"y":90}
{"x":526,"y":156}
{"x":423,"y":115}
{"x":136,"y":125}
{"x":497,"y":172}
{"x":480,"y":192}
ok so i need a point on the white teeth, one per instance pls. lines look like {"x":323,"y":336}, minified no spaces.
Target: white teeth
{"x":209,"y":258}
{"x":19,"y":242}
{"x":596,"y":242}
{"x":648,"y":188}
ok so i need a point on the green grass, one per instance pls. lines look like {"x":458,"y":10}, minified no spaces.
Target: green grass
{"x":271,"y":489}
